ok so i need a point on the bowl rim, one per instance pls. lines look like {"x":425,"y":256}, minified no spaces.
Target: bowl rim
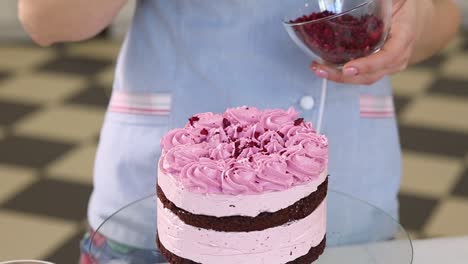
{"x":288,"y":23}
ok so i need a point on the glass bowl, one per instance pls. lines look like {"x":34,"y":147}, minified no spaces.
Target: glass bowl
{"x":334,"y":32}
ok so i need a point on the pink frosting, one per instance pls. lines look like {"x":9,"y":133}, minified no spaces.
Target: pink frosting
{"x":244,"y":151}
{"x":177,"y":137}
{"x":240,"y":178}
{"x":175,"y":159}
{"x":220,"y":205}
{"x":205,"y":120}
{"x":303,"y":166}
{"x":243,"y":115}
{"x":281,"y":244}
{"x":202,"y":176}
{"x":273,"y":171}
{"x":276,"y":118}
{"x":291,"y":130}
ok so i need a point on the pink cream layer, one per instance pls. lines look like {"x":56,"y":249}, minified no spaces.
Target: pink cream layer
{"x":274,"y":245}
{"x":227,"y":205}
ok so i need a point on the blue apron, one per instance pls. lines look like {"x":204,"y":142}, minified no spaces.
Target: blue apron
{"x":183,"y":57}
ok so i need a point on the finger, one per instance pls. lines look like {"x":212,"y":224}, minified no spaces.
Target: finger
{"x":366,"y":79}
{"x":337,"y":76}
{"x":402,"y":62}
{"x":389,"y":54}
{"x":326,"y":72}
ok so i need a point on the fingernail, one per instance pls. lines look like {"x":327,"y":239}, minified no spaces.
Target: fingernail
{"x":313,"y":66}
{"x":321,"y":73}
{"x":350,"y":71}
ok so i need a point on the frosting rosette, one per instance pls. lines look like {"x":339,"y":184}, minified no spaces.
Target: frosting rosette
{"x":314,"y":145}
{"x":177,"y":137}
{"x":240,"y":178}
{"x":243,"y":115}
{"x":205,"y":120}
{"x":202,"y":176}
{"x":244,"y":151}
{"x":222,"y":151}
{"x":176,"y":158}
{"x":272,"y":170}
{"x":272,"y":141}
{"x":303,"y":166}
{"x":276,"y":118}
{"x":217,"y":136}
{"x":290,"y":130}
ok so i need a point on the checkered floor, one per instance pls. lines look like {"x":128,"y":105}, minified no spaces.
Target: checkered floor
{"x":45,"y":172}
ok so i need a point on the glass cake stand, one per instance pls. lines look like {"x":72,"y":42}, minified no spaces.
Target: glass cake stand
{"x":350,"y":239}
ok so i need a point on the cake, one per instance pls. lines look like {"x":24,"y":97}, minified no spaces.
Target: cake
{"x":245,"y":186}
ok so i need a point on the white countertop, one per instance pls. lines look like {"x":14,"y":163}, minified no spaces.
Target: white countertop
{"x":452,"y":250}
{"x":441,"y":251}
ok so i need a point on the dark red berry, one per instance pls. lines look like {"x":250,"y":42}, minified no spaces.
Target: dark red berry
{"x":237,"y":152}
{"x":256,"y":135}
{"x":226,"y":123}
{"x":193,"y":119}
{"x":298,"y":121}
{"x":204,"y":132}
{"x":252,"y":144}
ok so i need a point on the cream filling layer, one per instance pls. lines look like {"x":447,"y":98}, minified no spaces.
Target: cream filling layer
{"x":228,"y":205}
{"x":273,"y":245}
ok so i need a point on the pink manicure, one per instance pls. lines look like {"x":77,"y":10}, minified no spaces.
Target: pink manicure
{"x":350,"y":71}
{"x":321,"y":73}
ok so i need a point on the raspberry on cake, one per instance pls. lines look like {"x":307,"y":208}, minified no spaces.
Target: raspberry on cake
{"x":245,"y":186}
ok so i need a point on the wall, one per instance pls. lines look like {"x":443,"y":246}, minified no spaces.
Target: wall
{"x":10,"y":28}
{"x":464,"y":6}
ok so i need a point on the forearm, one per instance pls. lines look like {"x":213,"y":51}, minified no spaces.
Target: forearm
{"x":50,"y":21}
{"x":439,"y":22}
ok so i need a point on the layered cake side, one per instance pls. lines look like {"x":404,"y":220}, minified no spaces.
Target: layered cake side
{"x":245,"y":186}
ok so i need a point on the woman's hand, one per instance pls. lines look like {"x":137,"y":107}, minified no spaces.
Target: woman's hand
{"x":407,"y":43}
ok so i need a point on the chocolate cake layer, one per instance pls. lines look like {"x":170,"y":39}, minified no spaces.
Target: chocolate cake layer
{"x":170,"y":257}
{"x":313,"y":254}
{"x":296,"y":211}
